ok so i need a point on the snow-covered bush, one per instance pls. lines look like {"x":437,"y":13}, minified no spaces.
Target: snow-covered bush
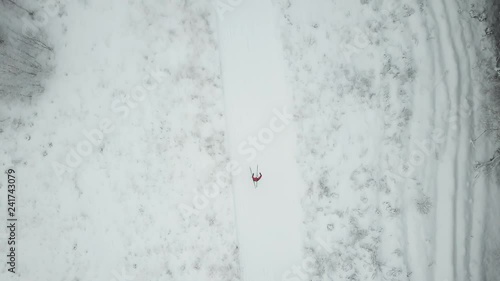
{"x":493,"y":20}
{"x":487,"y":13}
{"x":424,"y":204}
{"x":25,"y":54}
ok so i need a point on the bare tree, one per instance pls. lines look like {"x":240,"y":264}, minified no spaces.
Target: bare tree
{"x":24,"y":55}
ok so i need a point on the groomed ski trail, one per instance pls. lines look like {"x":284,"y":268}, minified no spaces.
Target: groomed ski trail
{"x":268,"y":217}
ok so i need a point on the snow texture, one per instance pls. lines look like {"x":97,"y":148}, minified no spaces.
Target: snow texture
{"x":387,"y":102}
{"x":104,"y":204}
{"x":131,"y":126}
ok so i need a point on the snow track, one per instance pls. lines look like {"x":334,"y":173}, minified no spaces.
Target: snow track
{"x":258,"y":106}
{"x":452,"y":105}
{"x":453,"y":172}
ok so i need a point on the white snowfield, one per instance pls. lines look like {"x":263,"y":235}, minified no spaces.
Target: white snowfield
{"x":260,"y":132}
{"x":359,"y":115}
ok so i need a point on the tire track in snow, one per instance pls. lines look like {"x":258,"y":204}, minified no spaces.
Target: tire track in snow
{"x":475,"y":205}
{"x":476,"y":196}
{"x":463,"y":151}
{"x":455,"y":153}
{"x":445,"y":255}
{"x":454,"y":95}
{"x":431,"y":182}
{"x":470,"y":99}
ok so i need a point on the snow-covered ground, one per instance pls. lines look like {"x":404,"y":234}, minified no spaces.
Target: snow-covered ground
{"x":151,"y":71}
{"x":366,"y":119}
{"x":387,"y":100}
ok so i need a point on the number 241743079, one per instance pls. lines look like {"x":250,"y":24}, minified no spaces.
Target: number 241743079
{"x":11,"y":189}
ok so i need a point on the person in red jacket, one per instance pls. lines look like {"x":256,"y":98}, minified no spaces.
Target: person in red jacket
{"x":256,"y":179}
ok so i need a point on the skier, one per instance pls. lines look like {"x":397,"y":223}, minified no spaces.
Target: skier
{"x":254,"y":178}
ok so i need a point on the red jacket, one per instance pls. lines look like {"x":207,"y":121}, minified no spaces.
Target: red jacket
{"x":257,"y":178}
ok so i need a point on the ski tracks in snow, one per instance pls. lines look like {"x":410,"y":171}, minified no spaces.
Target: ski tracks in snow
{"x":268,"y":217}
{"x":454,"y":105}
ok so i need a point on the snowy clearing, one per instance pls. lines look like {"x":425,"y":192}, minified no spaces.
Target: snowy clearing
{"x":130,"y":132}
